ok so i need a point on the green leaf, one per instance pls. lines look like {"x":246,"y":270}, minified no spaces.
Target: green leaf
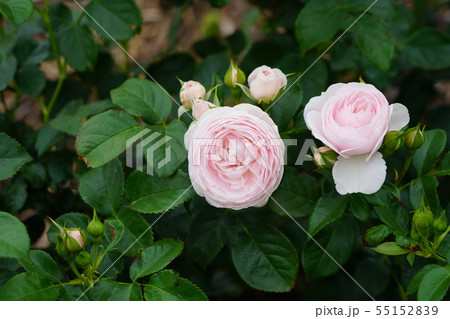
{"x":207,"y":234}
{"x":297,"y":194}
{"x":168,"y":286}
{"x":336,"y":240}
{"x":69,"y":220}
{"x":104,"y":136}
{"x":377,"y":234}
{"x":434,"y":285}
{"x":143,"y":98}
{"x":265,"y":258}
{"x":391,"y":249}
{"x":14,"y":195}
{"x":69,"y":119}
{"x":46,"y":137}
{"x":393,"y":215}
{"x":14,"y":240}
{"x":418,"y":277}
{"x":60,"y":16}
{"x":426,"y":156}
{"x":115,"y":236}
{"x":137,"y":233}
{"x":42,"y":263}
{"x":285,"y":107}
{"x":150,"y":194}
{"x":428,"y":48}
{"x":12,"y":156}
{"x":17,"y":11}
{"x":78,"y":46}
{"x":30,"y":80}
{"x":126,"y":292}
{"x":318,"y":21}
{"x":29,"y":286}
{"x":444,"y":166}
{"x":8,"y":68}
{"x":102,"y":187}
{"x":119,"y":19}
{"x":375,"y":41}
{"x":31,"y":52}
{"x":167,"y":148}
{"x":156,"y":257}
{"x":327,"y":210}
{"x":386,"y":9}
{"x":359,"y":207}
{"x":425,"y":187}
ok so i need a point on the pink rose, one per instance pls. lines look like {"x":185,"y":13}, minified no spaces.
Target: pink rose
{"x":352,"y":119}
{"x":199,"y":107}
{"x":265,"y":83}
{"x":75,"y":239}
{"x":235,"y":156}
{"x":191,"y":90}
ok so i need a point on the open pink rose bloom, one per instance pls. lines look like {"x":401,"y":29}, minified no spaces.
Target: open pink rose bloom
{"x":235,"y":156}
{"x":352,"y":119}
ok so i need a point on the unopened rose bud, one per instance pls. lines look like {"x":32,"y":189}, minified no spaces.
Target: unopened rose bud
{"x":423,"y":219}
{"x":266,"y":83}
{"x":83,"y":258}
{"x":440,"y":224}
{"x":199,"y":107}
{"x":74,"y":239}
{"x":325,"y":157}
{"x":191,"y":90}
{"x":414,"y":234}
{"x":95,"y":226}
{"x":61,"y":250}
{"x":414,"y":138}
{"x":234,"y":75}
{"x":393,"y":141}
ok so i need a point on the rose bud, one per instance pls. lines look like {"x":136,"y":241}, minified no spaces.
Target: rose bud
{"x":74,"y":239}
{"x":61,"y":250}
{"x":423,"y":218}
{"x":394,"y":140}
{"x":234,"y":75}
{"x":266,"y":83}
{"x":199,"y":107}
{"x":414,"y":138}
{"x":440,"y":223}
{"x":95,"y":226}
{"x":191,"y":90}
{"x":325,"y":157}
{"x":83,"y":258}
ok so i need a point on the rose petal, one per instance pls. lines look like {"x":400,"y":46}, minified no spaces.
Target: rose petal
{"x":358,"y":175}
{"x":399,"y":117}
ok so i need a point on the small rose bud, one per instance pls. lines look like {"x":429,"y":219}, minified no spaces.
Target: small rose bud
{"x":83,"y":258}
{"x":423,"y":218}
{"x":61,"y":250}
{"x":414,"y":138}
{"x":199,"y":107}
{"x":266,"y":83}
{"x":414,"y":234}
{"x":95,"y":226}
{"x":191,"y":90}
{"x":234,"y":75}
{"x":393,"y":141}
{"x":440,"y":224}
{"x":74,"y":239}
{"x":325,"y":157}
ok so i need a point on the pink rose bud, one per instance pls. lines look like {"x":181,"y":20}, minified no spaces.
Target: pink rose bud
{"x":191,"y":90}
{"x":353,"y":119}
{"x":235,"y":156}
{"x":325,"y":157}
{"x":234,"y":76}
{"x":199,"y":107}
{"x":75,"y":239}
{"x":265,"y":83}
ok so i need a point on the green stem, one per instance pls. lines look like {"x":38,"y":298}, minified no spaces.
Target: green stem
{"x":80,"y":17}
{"x":55,"y":95}
{"x":404,"y":169}
{"x":74,"y":269}
{"x":433,"y":253}
{"x":94,"y":260}
{"x":400,"y":288}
